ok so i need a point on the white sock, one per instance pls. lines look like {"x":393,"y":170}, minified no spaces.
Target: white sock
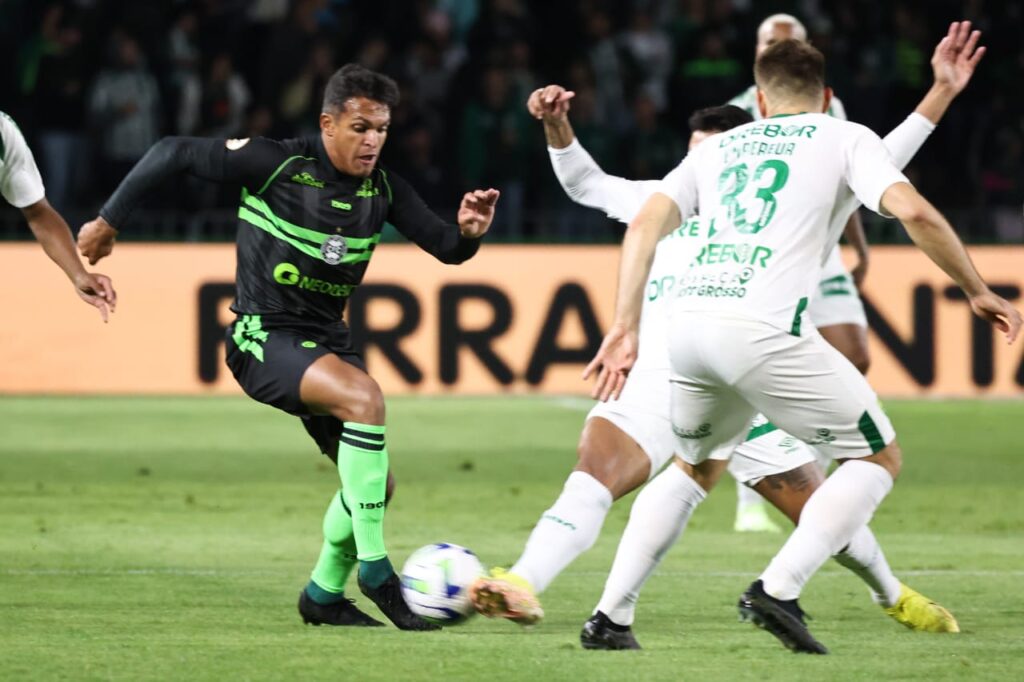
{"x":864,"y":557}
{"x":833,"y":514}
{"x":566,"y":530}
{"x":658,"y":517}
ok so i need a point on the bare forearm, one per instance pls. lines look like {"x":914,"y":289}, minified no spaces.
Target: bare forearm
{"x":936,"y":102}
{"x":935,"y":236}
{"x":558,"y":131}
{"x":638,"y":248}
{"x":54,"y":235}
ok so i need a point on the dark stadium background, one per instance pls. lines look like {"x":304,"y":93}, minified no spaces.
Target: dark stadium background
{"x":241,"y":68}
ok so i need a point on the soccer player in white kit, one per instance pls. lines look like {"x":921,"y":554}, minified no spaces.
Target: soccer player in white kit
{"x":22,"y":187}
{"x":739,"y":339}
{"x":836,"y":310}
{"x":627,"y":441}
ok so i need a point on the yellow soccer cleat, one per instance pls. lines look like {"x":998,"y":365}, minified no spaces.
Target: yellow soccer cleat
{"x":920,"y":613}
{"x":506,"y":595}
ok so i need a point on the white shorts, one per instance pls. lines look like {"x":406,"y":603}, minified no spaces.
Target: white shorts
{"x":837,"y":300}
{"x":641,"y":412}
{"x":727,"y":368}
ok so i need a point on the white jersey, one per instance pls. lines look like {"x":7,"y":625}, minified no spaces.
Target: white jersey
{"x":747,"y":100}
{"x":20,"y":183}
{"x":774,"y":195}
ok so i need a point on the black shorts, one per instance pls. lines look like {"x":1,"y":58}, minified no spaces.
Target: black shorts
{"x":268,"y":354}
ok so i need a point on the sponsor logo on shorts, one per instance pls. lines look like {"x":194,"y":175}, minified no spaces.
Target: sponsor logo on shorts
{"x":289,"y":275}
{"x":822,"y":437}
{"x":702,"y":431}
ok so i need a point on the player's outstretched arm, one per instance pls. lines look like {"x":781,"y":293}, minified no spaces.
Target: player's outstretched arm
{"x":449,"y":243}
{"x":54,"y":235}
{"x":215,"y":160}
{"x":581,"y":178}
{"x":618,"y":351}
{"x":935,"y":236}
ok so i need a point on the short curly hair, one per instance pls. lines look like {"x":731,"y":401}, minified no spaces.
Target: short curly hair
{"x":353,"y":80}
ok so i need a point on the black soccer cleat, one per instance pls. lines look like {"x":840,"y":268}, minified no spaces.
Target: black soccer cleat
{"x":599,"y":632}
{"x":784,"y":619}
{"x":344,"y":613}
{"x":388,"y":598}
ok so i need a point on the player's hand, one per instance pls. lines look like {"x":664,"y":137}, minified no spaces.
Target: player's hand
{"x":956,"y":57}
{"x":96,"y":240}
{"x":612,"y":363}
{"x":98,"y":291}
{"x":549,"y":102}
{"x":999,"y":312}
{"x":477,"y":211}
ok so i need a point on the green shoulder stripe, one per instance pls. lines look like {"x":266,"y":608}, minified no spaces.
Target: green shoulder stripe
{"x":281,"y":168}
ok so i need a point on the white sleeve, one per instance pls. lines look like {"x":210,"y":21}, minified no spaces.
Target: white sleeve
{"x":587,"y":184}
{"x":907,"y":138}
{"x":19,"y":177}
{"x":869,"y":169}
{"x":680,"y":185}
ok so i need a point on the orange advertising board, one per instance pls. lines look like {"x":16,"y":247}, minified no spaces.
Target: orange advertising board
{"x":515,"y":319}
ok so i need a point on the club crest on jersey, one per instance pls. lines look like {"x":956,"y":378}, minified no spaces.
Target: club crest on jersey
{"x":333,"y":250}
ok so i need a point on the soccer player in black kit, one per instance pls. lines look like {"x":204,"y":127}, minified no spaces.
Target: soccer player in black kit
{"x":309,"y":217}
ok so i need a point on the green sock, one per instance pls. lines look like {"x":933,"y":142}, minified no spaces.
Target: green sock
{"x":363,"y":466}
{"x":337,"y":555}
{"x":375,"y":572}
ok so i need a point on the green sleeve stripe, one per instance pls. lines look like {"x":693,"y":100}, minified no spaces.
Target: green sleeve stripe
{"x":869,"y":430}
{"x":384,"y":177}
{"x":761,"y":430}
{"x":836,"y":292}
{"x":801,"y":306}
{"x":281,"y":168}
{"x":836,"y":279}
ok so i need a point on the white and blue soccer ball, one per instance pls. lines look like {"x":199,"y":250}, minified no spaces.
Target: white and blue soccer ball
{"x":436,"y":580}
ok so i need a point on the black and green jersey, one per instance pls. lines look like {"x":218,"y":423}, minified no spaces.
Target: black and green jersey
{"x":306,"y":232}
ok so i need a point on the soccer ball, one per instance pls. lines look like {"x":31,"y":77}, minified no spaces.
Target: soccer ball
{"x":436,"y":580}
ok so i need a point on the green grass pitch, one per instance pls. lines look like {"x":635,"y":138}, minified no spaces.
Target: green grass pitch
{"x":157,"y":539}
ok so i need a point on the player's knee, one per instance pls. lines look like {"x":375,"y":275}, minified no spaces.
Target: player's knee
{"x":362,"y":402}
{"x":595,"y":461}
{"x":892,"y":459}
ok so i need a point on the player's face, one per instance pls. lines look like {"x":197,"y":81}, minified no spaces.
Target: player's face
{"x":780,"y":31}
{"x":355,"y":137}
{"x":698,"y":136}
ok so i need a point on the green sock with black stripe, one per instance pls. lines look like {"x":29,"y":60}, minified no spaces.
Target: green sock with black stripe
{"x":337,"y":555}
{"x":363,"y":465}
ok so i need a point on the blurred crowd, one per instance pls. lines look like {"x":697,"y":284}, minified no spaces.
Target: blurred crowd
{"x":96,"y":82}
